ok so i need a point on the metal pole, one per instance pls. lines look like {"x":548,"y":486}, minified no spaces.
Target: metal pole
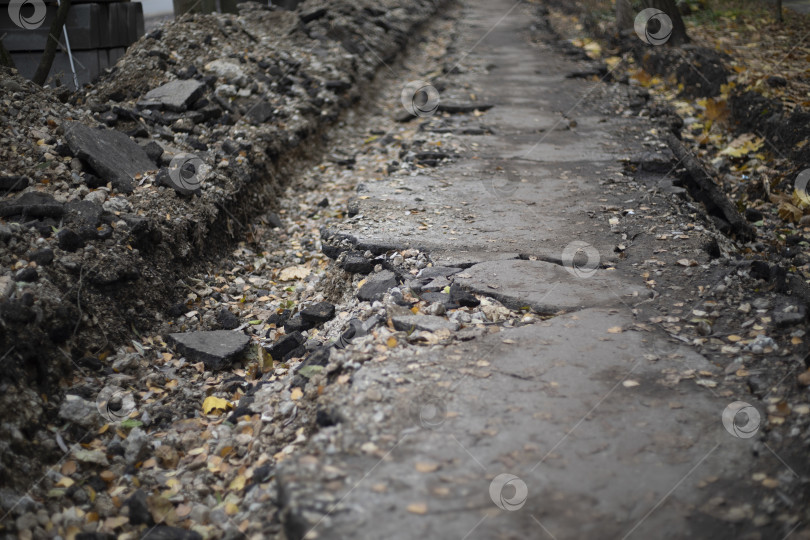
{"x":70,"y":55}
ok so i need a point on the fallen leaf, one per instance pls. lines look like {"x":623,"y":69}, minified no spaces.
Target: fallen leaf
{"x":426,"y":467}
{"x":615,"y":330}
{"x":294,"y":272}
{"x":630,"y":383}
{"x":238,"y":483}
{"x":296,"y":394}
{"x":213,"y":403}
{"x":417,"y":508}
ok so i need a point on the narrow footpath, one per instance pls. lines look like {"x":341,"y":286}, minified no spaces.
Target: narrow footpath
{"x":588,"y":421}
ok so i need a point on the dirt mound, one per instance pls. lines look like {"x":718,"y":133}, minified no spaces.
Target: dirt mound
{"x":93,"y":247}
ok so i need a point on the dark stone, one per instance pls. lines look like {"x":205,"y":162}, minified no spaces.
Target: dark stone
{"x":108,"y":118}
{"x":318,"y":314}
{"x":312,"y":15}
{"x":440,"y":297}
{"x":33,"y":204}
{"x":259,"y":112}
{"x":356,"y":263}
{"x":111,"y":154}
{"x":757,"y":385}
{"x":428,"y":323}
{"x":337,"y":85}
{"x":115,"y":449}
{"x":173,"y":96}
{"x":377,"y":285}
{"x":95,"y":535}
{"x":90,"y":362}
{"x":154,"y":151}
{"x":274,"y":221}
{"x":139,"y":509}
{"x":26,"y":275}
{"x":784,"y":319}
{"x":226,"y":319}
{"x":327,"y":417}
{"x":164,"y":532}
{"x":458,"y":108}
{"x":775,"y":81}
{"x":84,"y":217}
{"x":318,"y":357}
{"x":238,"y":413}
{"x":61,"y":324}
{"x":286,"y":345}
{"x":760,"y":270}
{"x":13,"y":183}
{"x":17,"y":311}
{"x":69,"y":241}
{"x":278,"y":318}
{"x":144,"y":234}
{"x":437,"y":271}
{"x":217,"y":349}
{"x":43,"y":257}
{"x":753,"y":215}
{"x":295,"y":324}
{"x":177,"y":310}
{"x":463,"y":298}
{"x":92,"y":181}
{"x":712,"y":248}
{"x":324,"y":203}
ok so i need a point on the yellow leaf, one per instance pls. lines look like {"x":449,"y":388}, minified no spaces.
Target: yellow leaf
{"x":213,"y":403}
{"x":391,"y":342}
{"x":615,"y":330}
{"x":788,"y":212}
{"x":231,"y":509}
{"x":238,"y":483}
{"x":294,"y":272}
{"x":296,"y":394}
{"x":65,"y":482}
{"x":417,"y":508}
{"x":743,"y":145}
{"x":734,"y":338}
{"x":426,"y":467}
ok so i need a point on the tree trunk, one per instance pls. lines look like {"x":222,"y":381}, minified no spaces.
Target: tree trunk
{"x":779,"y":10}
{"x":54,"y":33}
{"x":678,"y":36}
{"x":624,"y":16}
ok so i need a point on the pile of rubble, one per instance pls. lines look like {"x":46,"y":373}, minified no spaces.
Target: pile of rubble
{"x":111,"y":194}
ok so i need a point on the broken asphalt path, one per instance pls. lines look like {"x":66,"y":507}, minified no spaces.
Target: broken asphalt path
{"x":590,"y":423}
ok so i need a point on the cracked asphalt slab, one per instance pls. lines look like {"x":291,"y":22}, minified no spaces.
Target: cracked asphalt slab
{"x":591,"y":423}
